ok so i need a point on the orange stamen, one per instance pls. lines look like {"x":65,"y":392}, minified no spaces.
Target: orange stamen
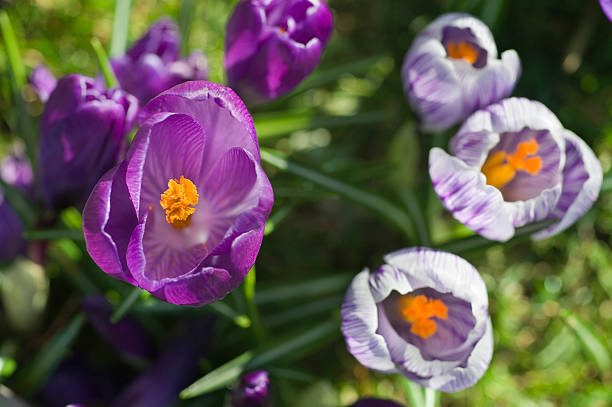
{"x":462,"y":50}
{"x":176,"y":201}
{"x":418,"y":310}
{"x":501,"y":168}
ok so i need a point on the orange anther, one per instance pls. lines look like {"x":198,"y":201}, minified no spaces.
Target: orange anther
{"x":462,"y":50}
{"x":176,"y":201}
{"x":418,"y":310}
{"x":501,"y":168}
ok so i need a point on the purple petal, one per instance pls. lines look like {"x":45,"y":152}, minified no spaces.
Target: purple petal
{"x":582,"y":178}
{"x":606,"y":6}
{"x":219,"y":112}
{"x":372,"y":402}
{"x":162,"y":39}
{"x":243,"y":31}
{"x":360,"y":324}
{"x":108,"y":221}
{"x":43,"y":82}
{"x":464,"y":192}
{"x":198,"y":288}
{"x":11,"y":232}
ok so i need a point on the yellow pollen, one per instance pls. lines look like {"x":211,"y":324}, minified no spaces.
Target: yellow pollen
{"x":176,"y":201}
{"x":501,"y":168}
{"x":418,"y":310}
{"x":462,"y":50}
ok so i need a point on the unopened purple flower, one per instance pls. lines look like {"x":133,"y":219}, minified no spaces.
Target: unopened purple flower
{"x":513,"y":163}
{"x":12,"y":242}
{"x":373,"y":402}
{"x":43,"y":82}
{"x":183,"y":215}
{"x":127,"y":335}
{"x":606,"y":6}
{"x":423,"y":314}
{"x":253,"y":390}
{"x":153,"y":65}
{"x":272,"y":45}
{"x":81,"y":131}
{"x":452,"y":70}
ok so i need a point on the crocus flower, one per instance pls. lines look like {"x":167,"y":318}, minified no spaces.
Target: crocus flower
{"x":271,"y":46}
{"x":513,"y":163}
{"x":253,"y":390}
{"x":373,"y":402}
{"x":12,"y":242}
{"x":127,"y":334}
{"x":452,"y":70}
{"x":183,"y":215}
{"x":153,"y":65}
{"x":16,"y":169}
{"x":606,"y":6}
{"x":422,"y":314}
{"x":81,"y":131}
{"x":43,"y":82}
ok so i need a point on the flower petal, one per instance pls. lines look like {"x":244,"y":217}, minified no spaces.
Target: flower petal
{"x":582,"y":178}
{"x":108,"y":221}
{"x":219,"y":112}
{"x":198,"y":288}
{"x":359,"y":326}
{"x":464,"y":192}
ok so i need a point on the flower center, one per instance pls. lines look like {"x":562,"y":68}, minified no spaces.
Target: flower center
{"x":418,"y":310}
{"x":462,"y":50}
{"x":501,"y":168}
{"x":176,"y":201}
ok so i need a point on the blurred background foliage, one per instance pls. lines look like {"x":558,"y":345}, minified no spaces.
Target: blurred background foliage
{"x":550,"y":301}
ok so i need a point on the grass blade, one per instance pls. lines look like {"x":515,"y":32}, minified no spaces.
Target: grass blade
{"x":591,"y":344}
{"x":105,"y":66}
{"x":127,"y":303}
{"x":52,"y":234}
{"x":302,"y":290}
{"x":121,"y":22}
{"x":386,"y":210}
{"x":185,"y":20}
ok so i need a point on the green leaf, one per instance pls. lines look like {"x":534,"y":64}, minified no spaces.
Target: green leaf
{"x":52,"y":234}
{"x":289,"y":349}
{"x":127,"y":303}
{"x":386,"y":210}
{"x":277,"y":217}
{"x":275,"y":124}
{"x":29,"y":379}
{"x":477,"y":242}
{"x":121,"y":23}
{"x":302,"y":311}
{"x":105,"y":66}
{"x":185,"y":20}
{"x":592,"y":345}
{"x":302,"y":290}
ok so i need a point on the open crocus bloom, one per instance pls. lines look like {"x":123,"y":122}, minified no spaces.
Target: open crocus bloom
{"x":423,"y":314}
{"x":513,"y":163}
{"x":452,"y":70}
{"x":272,"y":45}
{"x":183,"y":215}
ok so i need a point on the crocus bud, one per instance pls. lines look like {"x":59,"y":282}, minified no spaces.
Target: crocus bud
{"x":271,"y":46}
{"x":81,"y":131}
{"x":43,"y":82}
{"x":152,"y":65}
{"x":253,"y":390}
{"x":12,"y":243}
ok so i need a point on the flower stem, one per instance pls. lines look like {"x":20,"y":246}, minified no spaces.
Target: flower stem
{"x":432,"y":398}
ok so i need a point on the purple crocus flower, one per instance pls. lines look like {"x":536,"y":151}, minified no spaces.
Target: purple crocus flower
{"x":253,"y":390}
{"x":373,"y":402}
{"x":452,"y":70}
{"x":422,"y":314}
{"x":513,"y":163}
{"x":81,"y":131}
{"x":272,"y":45}
{"x":43,"y":82}
{"x":183,"y":215}
{"x":12,"y":243}
{"x":606,"y":6}
{"x":152,"y":65}
{"x":16,"y":169}
{"x":127,"y":335}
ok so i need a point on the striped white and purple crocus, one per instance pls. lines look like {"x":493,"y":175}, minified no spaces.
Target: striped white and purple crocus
{"x":452,"y":70}
{"x":153,"y":63}
{"x":512,"y":164}
{"x":423,"y":314}
{"x":183,"y":215}
{"x":272,"y":45}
